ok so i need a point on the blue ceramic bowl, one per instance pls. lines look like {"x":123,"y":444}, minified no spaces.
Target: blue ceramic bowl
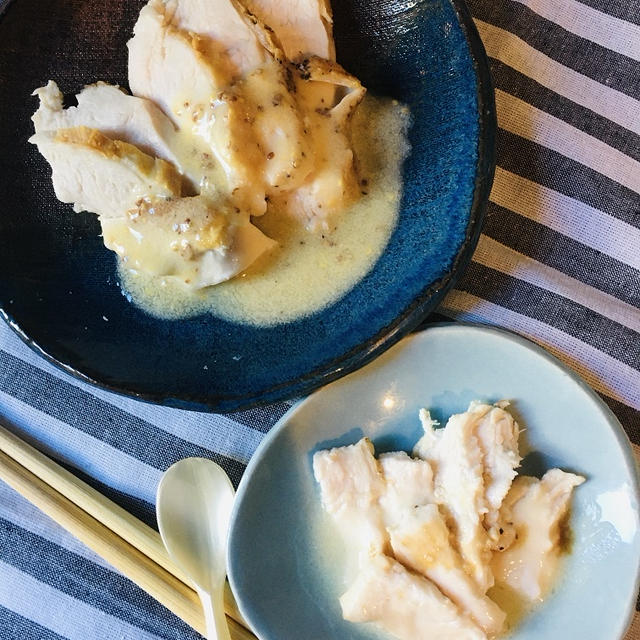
{"x":284,"y":568}
{"x":58,"y":284}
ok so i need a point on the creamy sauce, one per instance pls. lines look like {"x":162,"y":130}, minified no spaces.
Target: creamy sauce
{"x":203,"y":174}
{"x":307,"y":271}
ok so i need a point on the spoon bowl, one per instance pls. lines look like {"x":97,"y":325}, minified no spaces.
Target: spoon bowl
{"x":193,"y":507}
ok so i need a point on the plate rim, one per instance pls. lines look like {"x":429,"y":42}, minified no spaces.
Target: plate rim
{"x":405,"y":322}
{"x":616,"y":428}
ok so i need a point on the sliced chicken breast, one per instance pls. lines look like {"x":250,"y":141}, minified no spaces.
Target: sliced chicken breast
{"x":144,"y":219}
{"x":131,"y":119}
{"x":537,"y":509}
{"x":372,"y":500}
{"x":405,"y":604}
{"x":230,"y":43}
{"x":421,"y":542}
{"x":104,"y":176}
{"x":200,"y":241}
{"x":280,"y":124}
{"x":170,"y":67}
{"x":333,"y":183}
{"x":248,"y":118}
{"x":484,"y":442}
{"x":111,"y":111}
{"x":304,"y":27}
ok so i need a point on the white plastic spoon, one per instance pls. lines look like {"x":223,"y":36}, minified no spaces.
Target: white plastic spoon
{"x":193,"y":507}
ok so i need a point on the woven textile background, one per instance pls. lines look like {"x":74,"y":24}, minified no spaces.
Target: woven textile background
{"x":558,"y":262}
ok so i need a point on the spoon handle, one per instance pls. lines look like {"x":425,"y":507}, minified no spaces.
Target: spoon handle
{"x":214,"y":616}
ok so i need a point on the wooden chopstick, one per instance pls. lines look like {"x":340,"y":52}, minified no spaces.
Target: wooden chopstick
{"x":93,"y":518}
{"x":114,"y":517}
{"x":148,"y":575}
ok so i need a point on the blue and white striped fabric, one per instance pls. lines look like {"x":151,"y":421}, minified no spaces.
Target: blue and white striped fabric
{"x":558,"y":262}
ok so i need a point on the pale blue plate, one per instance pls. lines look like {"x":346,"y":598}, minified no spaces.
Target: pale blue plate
{"x":285,"y":574}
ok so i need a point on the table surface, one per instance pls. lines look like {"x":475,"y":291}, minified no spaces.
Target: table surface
{"x":558,"y":262}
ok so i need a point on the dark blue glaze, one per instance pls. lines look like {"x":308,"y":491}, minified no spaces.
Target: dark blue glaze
{"x":58,"y":283}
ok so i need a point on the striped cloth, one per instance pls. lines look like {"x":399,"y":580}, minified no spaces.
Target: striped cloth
{"x":559,"y":262}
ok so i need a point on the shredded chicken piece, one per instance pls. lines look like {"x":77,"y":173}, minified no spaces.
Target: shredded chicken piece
{"x":421,"y":541}
{"x":405,"y":604}
{"x":351,"y":485}
{"x":457,"y":460}
{"x":537,"y":509}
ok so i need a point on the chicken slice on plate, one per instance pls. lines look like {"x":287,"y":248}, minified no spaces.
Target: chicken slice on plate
{"x":405,"y":604}
{"x":474,"y":459}
{"x":104,"y":176}
{"x":351,"y":486}
{"x":111,"y":111}
{"x":144,"y":219}
{"x":206,"y":67}
{"x":130,"y":119}
{"x":538,"y":509}
{"x":198,"y":240}
{"x":304,"y":27}
{"x":170,"y":67}
{"x":421,"y":542}
{"x":395,"y":494}
{"x":408,"y":484}
{"x":457,"y":460}
{"x":333,"y":184}
{"x":498,"y":435}
{"x":233,"y":46}
{"x":280,"y":125}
